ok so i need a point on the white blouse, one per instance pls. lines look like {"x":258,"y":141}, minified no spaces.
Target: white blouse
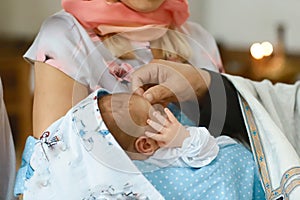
{"x":63,"y":43}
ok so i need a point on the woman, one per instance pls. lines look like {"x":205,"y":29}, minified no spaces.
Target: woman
{"x":95,"y":44}
{"x":99,"y":43}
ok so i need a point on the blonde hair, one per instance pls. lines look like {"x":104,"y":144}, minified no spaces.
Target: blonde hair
{"x":171,"y":46}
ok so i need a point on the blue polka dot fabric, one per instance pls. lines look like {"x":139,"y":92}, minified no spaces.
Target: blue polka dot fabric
{"x":231,"y":176}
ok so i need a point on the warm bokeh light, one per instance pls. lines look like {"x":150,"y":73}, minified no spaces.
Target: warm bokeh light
{"x":256,"y":51}
{"x":260,"y":50}
{"x":267,"y":48}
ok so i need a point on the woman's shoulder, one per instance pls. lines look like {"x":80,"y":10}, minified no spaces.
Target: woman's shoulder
{"x":194,"y":28}
{"x":61,"y":22}
{"x":60,"y":18}
{"x":63,"y":31}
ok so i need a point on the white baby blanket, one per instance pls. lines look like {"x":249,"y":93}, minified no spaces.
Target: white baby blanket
{"x":77,"y":158}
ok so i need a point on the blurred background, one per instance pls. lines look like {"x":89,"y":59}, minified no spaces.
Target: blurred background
{"x":257,"y":39}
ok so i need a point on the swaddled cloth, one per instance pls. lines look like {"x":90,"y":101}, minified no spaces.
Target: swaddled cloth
{"x":77,"y":158}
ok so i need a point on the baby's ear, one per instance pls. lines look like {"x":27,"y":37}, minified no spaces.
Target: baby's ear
{"x":145,"y":145}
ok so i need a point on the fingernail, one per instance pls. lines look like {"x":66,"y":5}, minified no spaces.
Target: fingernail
{"x":149,"y":97}
{"x":139,"y":91}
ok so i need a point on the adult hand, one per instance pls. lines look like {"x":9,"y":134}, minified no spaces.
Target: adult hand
{"x":172,"y":81}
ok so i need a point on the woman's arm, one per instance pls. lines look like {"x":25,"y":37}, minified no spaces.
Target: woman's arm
{"x":54,"y":95}
{"x":220,"y":110}
{"x":218,"y":102}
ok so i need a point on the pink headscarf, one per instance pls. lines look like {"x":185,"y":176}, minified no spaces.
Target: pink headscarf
{"x":92,"y":13}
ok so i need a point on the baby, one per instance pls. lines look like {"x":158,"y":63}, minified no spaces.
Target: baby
{"x":152,"y":133}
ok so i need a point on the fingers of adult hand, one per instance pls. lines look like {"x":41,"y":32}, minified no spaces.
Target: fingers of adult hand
{"x":163,"y":62}
{"x":144,"y":75}
{"x":156,"y":126}
{"x":139,"y":91}
{"x":158,"y":94}
{"x":137,"y":84}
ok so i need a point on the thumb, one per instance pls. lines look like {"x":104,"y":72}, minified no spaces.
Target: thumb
{"x":158,"y":94}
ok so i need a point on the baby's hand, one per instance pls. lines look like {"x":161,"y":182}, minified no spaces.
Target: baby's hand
{"x":170,"y":133}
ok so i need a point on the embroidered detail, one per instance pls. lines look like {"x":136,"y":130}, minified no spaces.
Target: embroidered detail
{"x":287,"y":184}
{"x":103,"y":132}
{"x":45,"y":135}
{"x":259,"y":152}
{"x":121,"y":72}
{"x":49,"y":142}
{"x":113,"y":192}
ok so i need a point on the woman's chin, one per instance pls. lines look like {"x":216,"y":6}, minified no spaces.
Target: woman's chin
{"x":143,"y":5}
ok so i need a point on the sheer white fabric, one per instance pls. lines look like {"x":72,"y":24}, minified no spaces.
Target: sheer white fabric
{"x":83,"y":161}
{"x":7,"y":154}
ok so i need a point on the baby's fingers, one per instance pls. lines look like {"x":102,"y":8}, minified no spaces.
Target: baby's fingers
{"x":170,"y":115}
{"x":156,"y":126}
{"x":161,"y":119}
{"x":155,"y":136}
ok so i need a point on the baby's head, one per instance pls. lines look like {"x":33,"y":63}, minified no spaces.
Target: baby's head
{"x":125,"y":116}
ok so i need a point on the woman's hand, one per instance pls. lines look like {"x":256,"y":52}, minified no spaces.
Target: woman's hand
{"x":172,"y":82}
{"x":170,"y":133}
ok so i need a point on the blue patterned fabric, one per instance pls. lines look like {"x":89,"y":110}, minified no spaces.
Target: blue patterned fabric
{"x":25,"y":171}
{"x":231,"y":176}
